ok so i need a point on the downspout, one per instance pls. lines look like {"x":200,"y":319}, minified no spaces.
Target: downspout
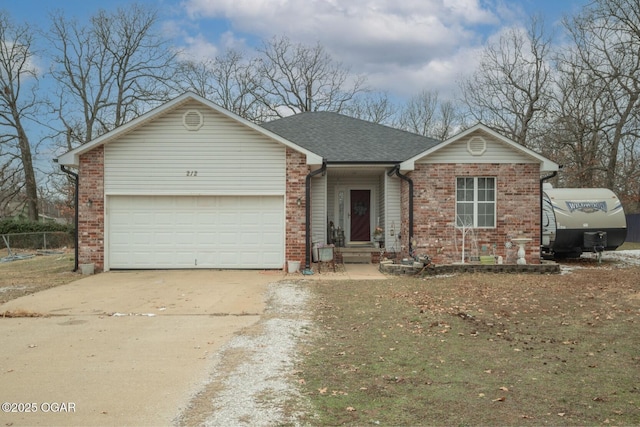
{"x":542,"y":180}
{"x":74,"y":176}
{"x":396,"y":170}
{"x":307,"y":260}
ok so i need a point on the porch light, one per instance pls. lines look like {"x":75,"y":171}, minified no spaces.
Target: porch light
{"x":299,"y":201}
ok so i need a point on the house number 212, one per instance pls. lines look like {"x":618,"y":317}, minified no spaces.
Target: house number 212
{"x":192,"y":173}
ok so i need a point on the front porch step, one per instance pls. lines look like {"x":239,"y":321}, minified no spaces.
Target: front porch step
{"x":357,"y":255}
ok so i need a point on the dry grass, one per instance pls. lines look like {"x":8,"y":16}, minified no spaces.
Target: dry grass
{"x":23,"y":277}
{"x":481,"y":349}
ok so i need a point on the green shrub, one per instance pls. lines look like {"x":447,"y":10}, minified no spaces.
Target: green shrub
{"x":10,"y":226}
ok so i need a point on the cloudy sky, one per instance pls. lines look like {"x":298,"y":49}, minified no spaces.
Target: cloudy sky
{"x":402,"y":46}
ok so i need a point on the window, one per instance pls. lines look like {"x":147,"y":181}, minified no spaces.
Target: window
{"x":476,"y":202}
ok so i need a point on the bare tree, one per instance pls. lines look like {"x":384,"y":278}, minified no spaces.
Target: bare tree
{"x":426,"y":115}
{"x":373,"y":107}
{"x":10,"y":179}
{"x":579,"y":111}
{"x":508,"y":92}
{"x":450,"y":121}
{"x":299,"y":78}
{"x":419,"y":114}
{"x":230,"y":80}
{"x":109,"y":71}
{"x":18,"y":104}
{"x":606,"y":37}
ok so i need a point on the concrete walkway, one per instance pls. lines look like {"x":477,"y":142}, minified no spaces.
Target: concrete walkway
{"x":343,"y":272}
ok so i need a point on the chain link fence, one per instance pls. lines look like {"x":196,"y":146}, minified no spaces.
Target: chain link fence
{"x":26,"y":245}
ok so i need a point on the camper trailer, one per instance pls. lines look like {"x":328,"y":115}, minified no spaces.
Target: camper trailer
{"x":577,"y":220}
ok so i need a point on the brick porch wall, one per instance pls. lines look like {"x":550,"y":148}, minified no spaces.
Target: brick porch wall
{"x":295,"y":236}
{"x":91,"y":209}
{"x":518,"y":211}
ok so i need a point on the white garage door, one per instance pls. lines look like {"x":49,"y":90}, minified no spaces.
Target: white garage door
{"x":196,"y":232}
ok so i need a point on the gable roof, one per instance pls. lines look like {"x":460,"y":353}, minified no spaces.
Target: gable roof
{"x":545,"y":164}
{"x":343,"y":139}
{"x":71,"y":158}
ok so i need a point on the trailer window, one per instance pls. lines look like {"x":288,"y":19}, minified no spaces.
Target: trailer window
{"x":476,"y":202}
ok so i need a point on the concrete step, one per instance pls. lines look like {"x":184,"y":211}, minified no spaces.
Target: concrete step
{"x":357,"y":255}
{"x":356,"y":258}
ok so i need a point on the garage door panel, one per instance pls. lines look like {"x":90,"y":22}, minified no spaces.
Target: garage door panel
{"x":271,"y":219}
{"x":249,"y":237}
{"x":227,"y":239}
{"x":206,"y":238}
{"x":163,"y":238}
{"x":196,"y":232}
{"x":269,"y":258}
{"x":119,"y":239}
{"x":228,"y":219}
{"x":165,"y":257}
{"x":271,"y":238}
{"x":228,"y":258}
{"x":163,"y":218}
{"x":184,"y":218}
{"x":206,"y":218}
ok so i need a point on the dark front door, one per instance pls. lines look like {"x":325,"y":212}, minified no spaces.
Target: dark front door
{"x":360,"y":215}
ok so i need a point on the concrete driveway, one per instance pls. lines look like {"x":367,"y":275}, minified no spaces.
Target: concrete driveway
{"x":121,"y":348}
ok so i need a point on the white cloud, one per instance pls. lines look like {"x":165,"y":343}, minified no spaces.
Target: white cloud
{"x":441,"y":75}
{"x":199,"y":48}
{"x":403,"y":46}
{"x":425,"y":22}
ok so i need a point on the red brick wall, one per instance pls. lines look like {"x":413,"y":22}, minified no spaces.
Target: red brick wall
{"x":295,"y":236}
{"x":91,"y":209}
{"x":518,"y":211}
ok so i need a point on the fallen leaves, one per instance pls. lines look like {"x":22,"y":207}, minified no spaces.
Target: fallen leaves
{"x":22,"y":313}
{"x":504,"y":345}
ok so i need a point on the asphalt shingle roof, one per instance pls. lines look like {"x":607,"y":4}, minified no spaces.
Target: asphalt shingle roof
{"x":339,"y":138}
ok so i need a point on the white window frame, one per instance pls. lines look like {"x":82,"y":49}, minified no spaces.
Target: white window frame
{"x":475,"y":203}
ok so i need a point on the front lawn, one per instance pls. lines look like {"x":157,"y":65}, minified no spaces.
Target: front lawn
{"x":481,"y":349}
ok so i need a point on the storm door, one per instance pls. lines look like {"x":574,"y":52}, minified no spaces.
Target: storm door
{"x":360,"y":215}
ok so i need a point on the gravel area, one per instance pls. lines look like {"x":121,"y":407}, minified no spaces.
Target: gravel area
{"x":254,"y":382}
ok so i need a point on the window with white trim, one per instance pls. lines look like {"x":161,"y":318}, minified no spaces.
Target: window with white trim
{"x":476,"y":202}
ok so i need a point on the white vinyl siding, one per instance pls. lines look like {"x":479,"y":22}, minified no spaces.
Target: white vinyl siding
{"x":382,"y":191}
{"x":220,"y":158}
{"x":319,"y":209}
{"x":393,"y":206}
{"x":195,"y":232}
{"x":496,"y":152}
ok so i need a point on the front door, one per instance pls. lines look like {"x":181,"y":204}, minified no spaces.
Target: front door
{"x":360,"y":215}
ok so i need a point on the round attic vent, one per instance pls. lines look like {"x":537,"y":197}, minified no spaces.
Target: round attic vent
{"x":477,"y":146}
{"x":192,"y":120}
